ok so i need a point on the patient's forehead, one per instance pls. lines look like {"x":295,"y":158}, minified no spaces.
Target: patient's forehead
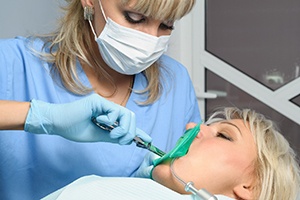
{"x":236,"y":122}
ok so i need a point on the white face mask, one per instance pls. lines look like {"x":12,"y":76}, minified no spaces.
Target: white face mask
{"x":126,"y":50}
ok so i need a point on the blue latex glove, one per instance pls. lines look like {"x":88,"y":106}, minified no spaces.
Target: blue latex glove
{"x":144,"y":171}
{"x":73,"y":120}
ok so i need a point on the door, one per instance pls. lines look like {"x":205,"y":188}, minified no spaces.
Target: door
{"x":247,"y":54}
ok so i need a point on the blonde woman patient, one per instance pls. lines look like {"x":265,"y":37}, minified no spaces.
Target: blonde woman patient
{"x":240,"y":154}
{"x":236,"y":154}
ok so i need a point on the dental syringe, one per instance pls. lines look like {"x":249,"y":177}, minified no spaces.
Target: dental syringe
{"x":139,"y":142}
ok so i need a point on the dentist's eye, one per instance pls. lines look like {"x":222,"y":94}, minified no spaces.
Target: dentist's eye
{"x":167,"y":25}
{"x":222,"y":135}
{"x":134,"y":18}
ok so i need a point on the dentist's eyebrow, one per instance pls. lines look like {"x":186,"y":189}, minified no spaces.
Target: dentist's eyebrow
{"x":229,"y":123}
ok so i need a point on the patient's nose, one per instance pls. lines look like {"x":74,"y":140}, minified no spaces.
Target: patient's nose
{"x":206,"y":131}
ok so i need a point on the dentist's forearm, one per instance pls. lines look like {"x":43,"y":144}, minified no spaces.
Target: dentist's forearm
{"x":13,"y":114}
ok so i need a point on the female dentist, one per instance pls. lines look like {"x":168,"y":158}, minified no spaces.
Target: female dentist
{"x":102,"y":52}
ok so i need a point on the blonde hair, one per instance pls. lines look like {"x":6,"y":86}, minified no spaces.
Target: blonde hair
{"x":277,"y":170}
{"x":73,"y":40}
{"x":163,"y":9}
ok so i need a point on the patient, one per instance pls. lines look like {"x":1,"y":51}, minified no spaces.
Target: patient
{"x":238,"y":154}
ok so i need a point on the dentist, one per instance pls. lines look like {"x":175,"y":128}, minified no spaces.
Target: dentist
{"x":105,"y":60}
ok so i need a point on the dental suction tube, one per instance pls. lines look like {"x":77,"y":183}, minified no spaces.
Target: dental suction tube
{"x":189,"y":187}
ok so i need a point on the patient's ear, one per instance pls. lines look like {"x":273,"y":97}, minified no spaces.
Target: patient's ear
{"x":244,"y":191}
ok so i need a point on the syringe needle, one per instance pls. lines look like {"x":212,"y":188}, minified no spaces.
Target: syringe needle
{"x":139,"y":142}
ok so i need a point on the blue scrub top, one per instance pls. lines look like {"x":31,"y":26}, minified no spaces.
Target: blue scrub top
{"x":33,"y":165}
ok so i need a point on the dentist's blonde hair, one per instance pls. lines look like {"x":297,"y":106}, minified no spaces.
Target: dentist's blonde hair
{"x":74,"y":39}
{"x":277,"y":170}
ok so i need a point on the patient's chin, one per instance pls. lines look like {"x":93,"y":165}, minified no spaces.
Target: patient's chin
{"x":161,"y":172}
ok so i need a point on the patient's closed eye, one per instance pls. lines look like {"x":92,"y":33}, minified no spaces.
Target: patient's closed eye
{"x":224,"y":136}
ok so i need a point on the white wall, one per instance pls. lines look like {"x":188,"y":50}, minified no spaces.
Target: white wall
{"x":27,"y":17}
{"x":180,"y":47}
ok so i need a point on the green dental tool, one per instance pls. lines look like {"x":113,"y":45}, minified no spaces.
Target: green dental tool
{"x":182,"y":146}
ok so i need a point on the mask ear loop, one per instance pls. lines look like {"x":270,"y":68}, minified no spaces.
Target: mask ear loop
{"x":102,"y":10}
{"x":89,"y":14}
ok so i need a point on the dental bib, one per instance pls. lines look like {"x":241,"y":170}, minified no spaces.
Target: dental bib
{"x":181,"y":148}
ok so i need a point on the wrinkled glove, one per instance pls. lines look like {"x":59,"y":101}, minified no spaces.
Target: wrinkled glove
{"x":144,"y":171}
{"x":73,"y":120}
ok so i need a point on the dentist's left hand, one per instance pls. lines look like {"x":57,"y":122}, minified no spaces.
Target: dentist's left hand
{"x":73,"y":120}
{"x":144,"y":171}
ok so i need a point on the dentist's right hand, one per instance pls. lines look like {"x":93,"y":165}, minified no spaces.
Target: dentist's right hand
{"x":73,"y":120}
